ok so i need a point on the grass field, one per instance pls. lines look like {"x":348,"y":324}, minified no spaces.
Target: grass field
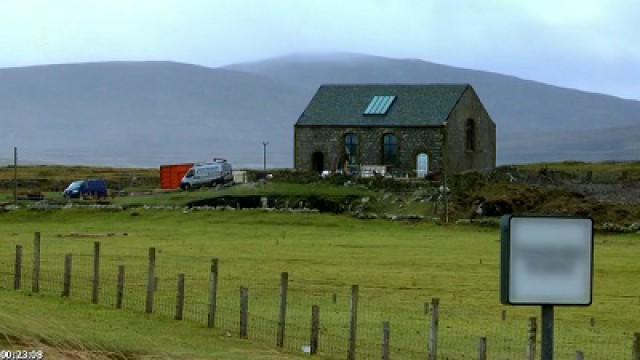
{"x":613,"y":169}
{"x":599,"y":167}
{"x":399,"y":267}
{"x":606,"y":191}
{"x":52,"y":179}
{"x":63,"y":328}
{"x":181,"y":198}
{"x":66,"y":173}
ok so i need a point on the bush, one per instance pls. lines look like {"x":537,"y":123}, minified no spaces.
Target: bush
{"x":464,"y":184}
{"x":294,"y":176}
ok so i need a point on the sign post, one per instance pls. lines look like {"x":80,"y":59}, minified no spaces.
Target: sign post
{"x":547,"y":332}
{"x":546,"y":261}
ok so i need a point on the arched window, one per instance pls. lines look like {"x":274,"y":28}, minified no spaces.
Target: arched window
{"x":390,"y":148}
{"x":422,"y":165}
{"x":351,"y":148}
{"x":470,"y":135}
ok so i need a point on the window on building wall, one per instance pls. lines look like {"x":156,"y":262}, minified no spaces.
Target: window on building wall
{"x":422,"y":165}
{"x":351,"y":148}
{"x":390,"y":148}
{"x":470,"y":135}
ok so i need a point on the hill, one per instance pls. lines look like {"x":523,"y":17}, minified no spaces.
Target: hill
{"x":144,"y":114}
{"x":535,"y":121}
{"x":151,"y":113}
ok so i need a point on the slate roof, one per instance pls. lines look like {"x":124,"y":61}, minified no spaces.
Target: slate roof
{"x":415,"y":105}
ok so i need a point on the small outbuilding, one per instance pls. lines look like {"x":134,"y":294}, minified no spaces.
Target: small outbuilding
{"x":411,"y":130}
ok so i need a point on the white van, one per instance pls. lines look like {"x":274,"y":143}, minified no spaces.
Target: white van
{"x":207,"y":174}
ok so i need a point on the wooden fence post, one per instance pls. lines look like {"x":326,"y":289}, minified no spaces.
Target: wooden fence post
{"x":17,"y":274}
{"x":151,"y":280}
{"x":244,"y":312}
{"x":482,"y":349}
{"x":284,"y":288}
{"x":66,"y":281}
{"x":315,"y":329}
{"x":353,"y":324}
{"x":636,"y":347}
{"x":433,"y":334}
{"x":386,"y":335}
{"x":120,"y":289}
{"x":531,"y":339}
{"x":579,"y":355}
{"x":213,"y":293}
{"x":35,"y":280}
{"x":95,"y":294}
{"x":180,"y":298}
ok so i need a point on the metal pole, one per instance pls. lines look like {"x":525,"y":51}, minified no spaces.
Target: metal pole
{"x":15,"y":176}
{"x":445,"y":168}
{"x":264,"y":155}
{"x":547,"y":332}
{"x":446,"y":200}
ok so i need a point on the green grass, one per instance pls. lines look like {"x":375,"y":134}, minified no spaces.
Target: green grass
{"x":398,"y":267}
{"x":181,"y":198}
{"x":604,"y":170}
{"x":70,"y":173}
{"x":72,"y":325}
{"x":55,"y":178}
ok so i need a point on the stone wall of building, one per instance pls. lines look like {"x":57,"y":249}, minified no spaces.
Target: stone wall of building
{"x":484,"y":154}
{"x":330,"y":142}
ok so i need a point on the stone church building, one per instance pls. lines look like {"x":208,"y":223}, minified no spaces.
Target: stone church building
{"x":411,"y":130}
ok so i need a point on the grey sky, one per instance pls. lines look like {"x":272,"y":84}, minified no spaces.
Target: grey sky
{"x":587,"y":44}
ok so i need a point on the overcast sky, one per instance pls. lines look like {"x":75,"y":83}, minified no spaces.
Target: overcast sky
{"x":586,"y":44}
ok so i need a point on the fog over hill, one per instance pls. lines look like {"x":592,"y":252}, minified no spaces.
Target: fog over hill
{"x":152,"y":113}
{"x":535,"y":121}
{"x":145,"y":114}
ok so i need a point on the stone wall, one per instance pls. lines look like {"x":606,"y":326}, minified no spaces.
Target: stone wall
{"x":411,"y":141}
{"x":484,"y":155}
{"x":330,"y":141}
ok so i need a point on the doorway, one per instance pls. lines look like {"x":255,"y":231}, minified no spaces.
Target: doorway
{"x":317,"y":162}
{"x":422,"y":165}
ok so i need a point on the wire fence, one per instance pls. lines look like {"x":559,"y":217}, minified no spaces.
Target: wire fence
{"x":350,"y":318}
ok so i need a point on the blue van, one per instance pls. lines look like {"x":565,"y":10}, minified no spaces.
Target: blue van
{"x":96,"y":189}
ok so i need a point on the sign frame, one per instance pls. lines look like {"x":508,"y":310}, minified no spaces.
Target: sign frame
{"x":505,"y":260}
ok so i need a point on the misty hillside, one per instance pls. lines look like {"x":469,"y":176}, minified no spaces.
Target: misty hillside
{"x":151,"y":113}
{"x":535,"y":121}
{"x":145,"y":114}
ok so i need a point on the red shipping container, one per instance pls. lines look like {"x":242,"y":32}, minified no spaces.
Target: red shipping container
{"x":170,"y":175}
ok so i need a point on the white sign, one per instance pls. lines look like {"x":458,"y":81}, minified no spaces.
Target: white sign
{"x":547,"y":260}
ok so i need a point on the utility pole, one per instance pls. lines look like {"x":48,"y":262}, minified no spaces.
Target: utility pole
{"x":445,"y":172}
{"x":15,"y":176}
{"x":264,"y":156}
{"x":446,"y":200}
